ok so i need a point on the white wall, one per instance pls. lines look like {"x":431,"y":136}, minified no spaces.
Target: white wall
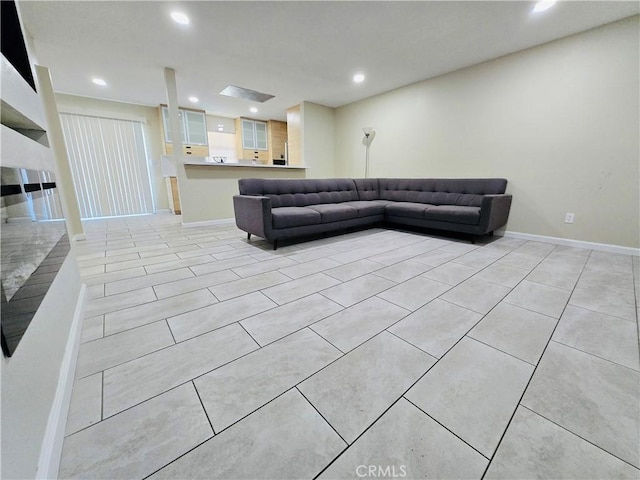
{"x":126,"y":111}
{"x":318,"y":146}
{"x":559,"y":121}
{"x":30,"y":377}
{"x":34,"y":396}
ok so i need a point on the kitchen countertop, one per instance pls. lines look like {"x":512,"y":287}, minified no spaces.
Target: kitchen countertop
{"x":240,"y":165}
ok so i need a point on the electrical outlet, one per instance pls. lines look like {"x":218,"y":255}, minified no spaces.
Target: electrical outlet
{"x":569,"y":217}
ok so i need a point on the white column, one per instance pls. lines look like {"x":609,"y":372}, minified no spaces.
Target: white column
{"x":64,"y":177}
{"x":176,"y":131}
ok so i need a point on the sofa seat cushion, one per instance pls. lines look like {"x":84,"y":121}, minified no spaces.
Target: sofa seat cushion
{"x":368,"y":208}
{"x":334,"y":212}
{"x":454,"y":214}
{"x":407,"y":209}
{"x":286,"y":217}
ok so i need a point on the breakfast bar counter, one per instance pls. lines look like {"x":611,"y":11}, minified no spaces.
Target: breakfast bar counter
{"x":206,"y":188}
{"x":201,"y":162}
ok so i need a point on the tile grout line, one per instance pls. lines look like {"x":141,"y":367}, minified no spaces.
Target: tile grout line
{"x":448,"y":429}
{"x":595,"y":356}
{"x":181,"y":383}
{"x":502,"y":351}
{"x":166,"y":321}
{"x":402,"y":396}
{"x":154,"y":321}
{"x":458,"y":341}
{"x":414,"y":346}
{"x":579,"y":436}
{"x":250,"y":336}
{"x":206,"y":414}
{"x":334,"y":346}
{"x":179,"y":457}
{"x":535,"y":369}
{"x":296,"y":387}
{"x":101,"y":397}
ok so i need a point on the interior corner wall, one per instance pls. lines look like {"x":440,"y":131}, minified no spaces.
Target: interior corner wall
{"x":318,"y":145}
{"x":30,"y":377}
{"x":560,"y":121}
{"x":126,"y":111}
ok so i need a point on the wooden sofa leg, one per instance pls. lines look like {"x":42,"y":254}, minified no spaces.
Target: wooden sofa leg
{"x":491,"y":234}
{"x":473,"y":239}
{"x":248,"y":236}
{"x":275,"y":244}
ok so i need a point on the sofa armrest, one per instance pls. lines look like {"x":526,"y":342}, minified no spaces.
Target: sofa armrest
{"x":494,"y":212}
{"x":253,"y":214}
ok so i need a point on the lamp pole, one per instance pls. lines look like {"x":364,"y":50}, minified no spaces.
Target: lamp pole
{"x":369,"y":134}
{"x":366,"y":165}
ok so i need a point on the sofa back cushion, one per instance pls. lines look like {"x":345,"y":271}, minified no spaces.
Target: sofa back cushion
{"x":300,"y":192}
{"x":368,"y":188}
{"x":441,"y":191}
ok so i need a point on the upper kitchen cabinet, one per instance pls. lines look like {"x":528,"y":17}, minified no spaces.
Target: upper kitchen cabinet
{"x":194,"y":132}
{"x":260,"y":141}
{"x":251,"y":140}
{"x":254,"y":135}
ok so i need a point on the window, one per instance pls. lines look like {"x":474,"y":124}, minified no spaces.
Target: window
{"x":109,"y":165}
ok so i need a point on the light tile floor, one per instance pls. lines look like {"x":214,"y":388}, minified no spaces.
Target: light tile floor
{"x":379,"y":354}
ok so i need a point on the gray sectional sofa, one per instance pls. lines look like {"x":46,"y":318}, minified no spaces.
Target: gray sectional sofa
{"x":277,"y":209}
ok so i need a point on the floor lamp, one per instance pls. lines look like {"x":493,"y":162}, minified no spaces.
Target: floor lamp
{"x":369,"y":135}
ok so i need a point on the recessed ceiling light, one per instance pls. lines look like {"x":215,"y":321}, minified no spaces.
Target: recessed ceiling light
{"x":253,"y":110}
{"x":358,"y":78}
{"x":180,"y":18}
{"x":543,"y":5}
{"x":193,"y":99}
{"x":99,"y":81}
{"x":220,"y":128}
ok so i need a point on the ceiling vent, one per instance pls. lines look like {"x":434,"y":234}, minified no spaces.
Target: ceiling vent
{"x":252,"y":95}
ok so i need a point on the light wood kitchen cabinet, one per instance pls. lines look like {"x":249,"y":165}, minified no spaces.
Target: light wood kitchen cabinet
{"x":260,"y":141}
{"x":251,"y":140}
{"x":194,"y":132}
{"x":173,"y":194}
{"x":195,"y":150}
{"x":294,"y":135}
{"x":277,"y":139}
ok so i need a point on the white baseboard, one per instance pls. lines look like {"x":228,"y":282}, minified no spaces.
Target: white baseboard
{"x":19,"y":220}
{"x":51,"y":450}
{"x":208,"y":223}
{"x":163,"y":210}
{"x":79,"y":237}
{"x":604,"y":247}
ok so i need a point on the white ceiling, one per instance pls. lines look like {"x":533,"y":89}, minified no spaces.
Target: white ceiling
{"x":294,"y":50}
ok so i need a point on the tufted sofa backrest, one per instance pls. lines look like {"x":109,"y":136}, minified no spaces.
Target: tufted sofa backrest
{"x":368,"y":188}
{"x":300,"y":192}
{"x":441,"y":191}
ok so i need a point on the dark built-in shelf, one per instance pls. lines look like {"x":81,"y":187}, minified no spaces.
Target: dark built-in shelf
{"x":18,"y":312}
{"x":12,"y":42}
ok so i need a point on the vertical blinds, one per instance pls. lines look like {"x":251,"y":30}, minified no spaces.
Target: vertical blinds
{"x":109,"y":165}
